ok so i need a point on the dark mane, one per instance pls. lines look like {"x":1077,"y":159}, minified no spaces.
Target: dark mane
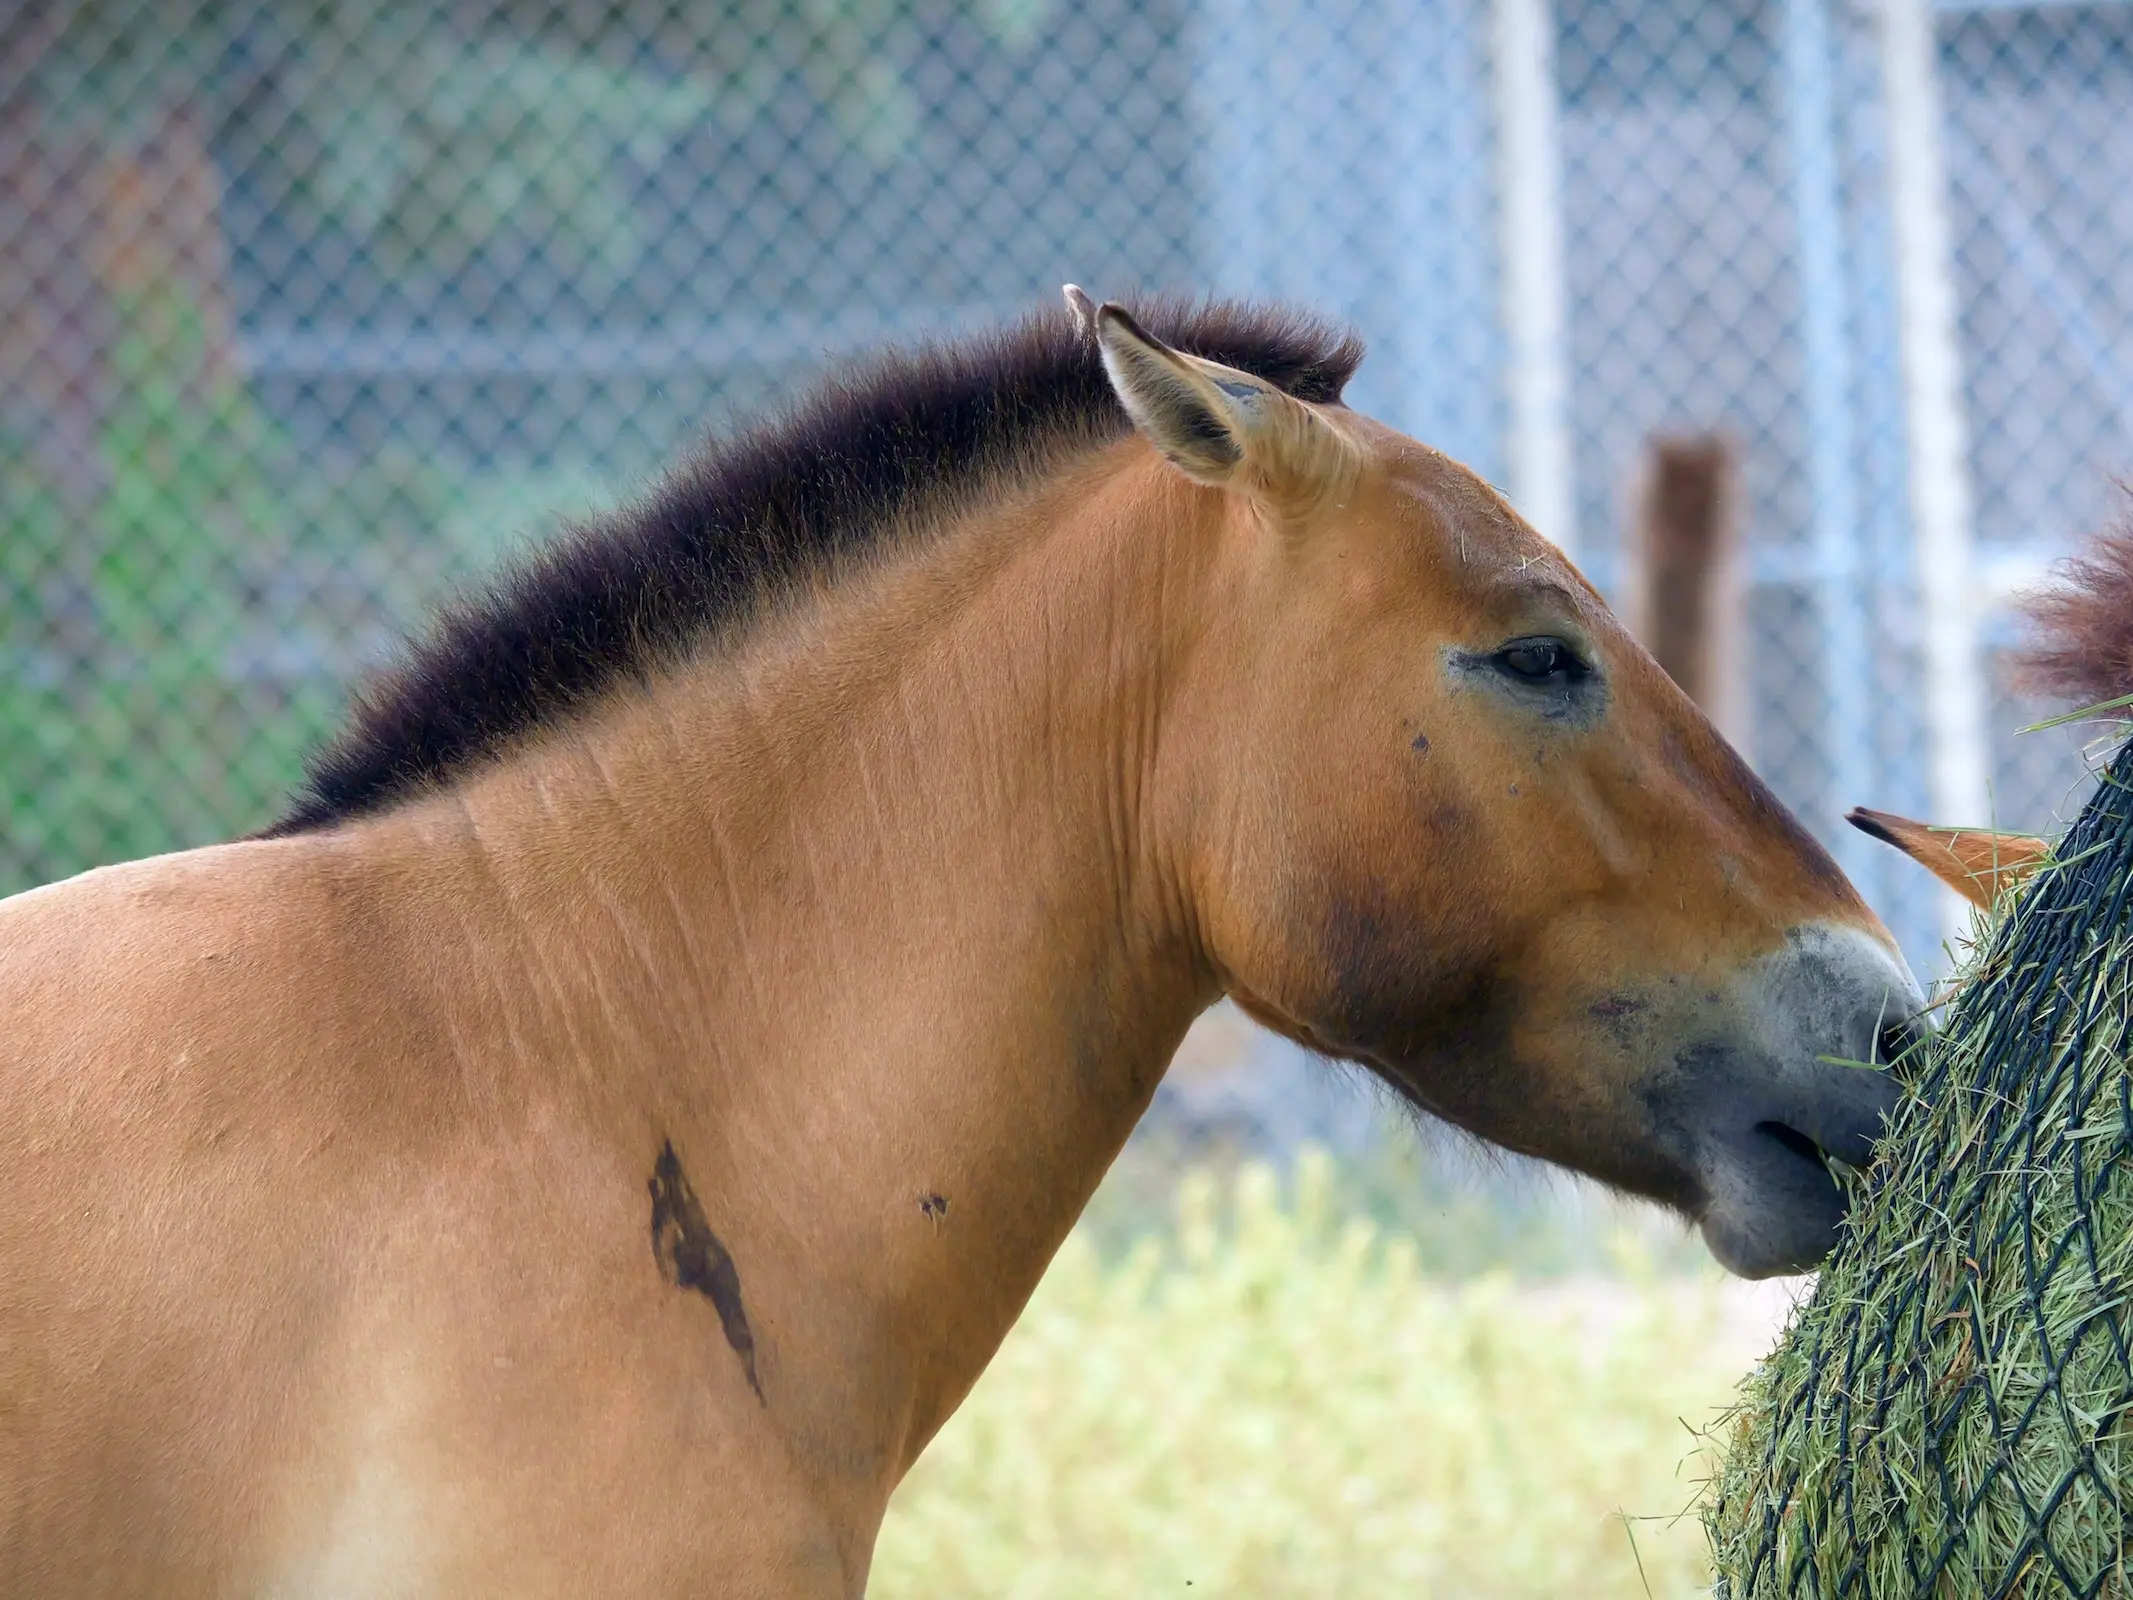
{"x":741,"y":521}
{"x":2081,"y":628}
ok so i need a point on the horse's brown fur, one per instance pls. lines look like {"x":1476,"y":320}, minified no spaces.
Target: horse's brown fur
{"x":598,"y":1159}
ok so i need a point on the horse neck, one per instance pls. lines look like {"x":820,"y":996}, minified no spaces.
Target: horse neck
{"x":879,"y":923}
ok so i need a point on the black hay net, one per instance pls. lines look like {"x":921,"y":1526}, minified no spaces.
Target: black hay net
{"x":1948,"y":1416}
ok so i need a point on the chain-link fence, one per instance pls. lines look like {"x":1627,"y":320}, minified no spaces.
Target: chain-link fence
{"x":309,"y":308}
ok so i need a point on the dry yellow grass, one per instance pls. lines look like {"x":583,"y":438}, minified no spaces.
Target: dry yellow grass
{"x":1278,"y":1402}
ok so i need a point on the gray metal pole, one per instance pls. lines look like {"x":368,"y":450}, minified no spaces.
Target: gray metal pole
{"x":1834,"y":528}
{"x":1543,"y":479}
{"x":1936,"y":432}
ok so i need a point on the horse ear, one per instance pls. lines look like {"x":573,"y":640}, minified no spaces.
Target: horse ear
{"x":1217,"y":425}
{"x":1976,"y":863}
{"x":1081,"y":308}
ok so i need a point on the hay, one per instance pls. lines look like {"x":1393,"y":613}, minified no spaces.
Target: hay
{"x":1948,"y":1414}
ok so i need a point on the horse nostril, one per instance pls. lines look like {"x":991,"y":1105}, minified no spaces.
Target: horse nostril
{"x":1896,"y":1039}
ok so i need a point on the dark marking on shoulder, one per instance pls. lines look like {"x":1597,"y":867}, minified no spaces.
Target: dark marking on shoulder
{"x":690,"y":1256}
{"x":934,"y":1205}
{"x":1421,"y":744}
{"x":1617,"y":1005}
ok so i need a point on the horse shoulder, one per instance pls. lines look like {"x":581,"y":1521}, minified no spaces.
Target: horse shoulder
{"x":169,"y":1080}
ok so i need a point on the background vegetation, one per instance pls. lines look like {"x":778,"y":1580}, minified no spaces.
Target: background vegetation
{"x":1276,"y":1395}
{"x":189,"y":579}
{"x":178,"y":632}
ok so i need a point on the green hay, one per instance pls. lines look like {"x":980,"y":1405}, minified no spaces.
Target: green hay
{"x":1948,"y":1414}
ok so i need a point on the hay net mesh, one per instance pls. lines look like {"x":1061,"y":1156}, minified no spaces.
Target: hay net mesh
{"x":1949,"y":1413}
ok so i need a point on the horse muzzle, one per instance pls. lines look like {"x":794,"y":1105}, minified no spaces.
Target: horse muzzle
{"x":1798,"y":1093}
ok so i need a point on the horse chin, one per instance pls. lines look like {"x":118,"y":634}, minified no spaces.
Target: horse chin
{"x":1773,"y":1207}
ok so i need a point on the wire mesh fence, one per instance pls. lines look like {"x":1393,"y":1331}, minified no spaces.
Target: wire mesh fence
{"x":310,"y":309}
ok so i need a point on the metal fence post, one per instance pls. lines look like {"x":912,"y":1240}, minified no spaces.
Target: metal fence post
{"x":1834,"y":531}
{"x":1233,"y":161}
{"x":1530,"y":223}
{"x":1936,"y":432}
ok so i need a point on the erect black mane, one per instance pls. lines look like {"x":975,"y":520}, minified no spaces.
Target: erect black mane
{"x":616,"y":597}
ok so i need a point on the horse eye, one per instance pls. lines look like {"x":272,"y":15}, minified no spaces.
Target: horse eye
{"x":1540,"y":661}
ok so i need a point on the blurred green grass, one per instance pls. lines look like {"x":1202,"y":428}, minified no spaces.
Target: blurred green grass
{"x":1277,"y":1395}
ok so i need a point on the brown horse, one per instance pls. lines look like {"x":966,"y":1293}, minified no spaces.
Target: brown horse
{"x":594,"y":1141}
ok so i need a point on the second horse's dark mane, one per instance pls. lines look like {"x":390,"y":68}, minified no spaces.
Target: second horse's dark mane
{"x":2081,"y":640}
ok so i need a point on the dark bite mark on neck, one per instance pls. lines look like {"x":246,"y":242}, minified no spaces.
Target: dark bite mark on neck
{"x":690,"y":1256}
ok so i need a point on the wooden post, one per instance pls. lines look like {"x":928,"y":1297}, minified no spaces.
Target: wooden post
{"x":1684,"y":599}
